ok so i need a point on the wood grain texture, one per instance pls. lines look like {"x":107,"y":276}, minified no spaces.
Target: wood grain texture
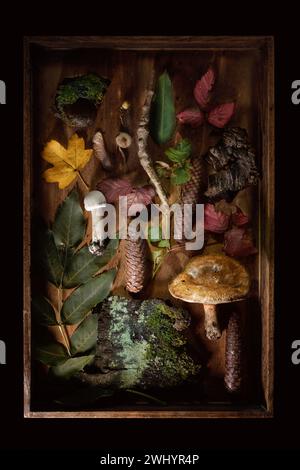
{"x":245,"y":74}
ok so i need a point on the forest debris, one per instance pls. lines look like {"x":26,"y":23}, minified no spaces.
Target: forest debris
{"x":77,"y":99}
{"x":215,"y":221}
{"x":66,"y":161}
{"x":233,"y":160}
{"x":100,"y":151}
{"x":238,"y":242}
{"x":145,"y":160}
{"x":141,"y":344}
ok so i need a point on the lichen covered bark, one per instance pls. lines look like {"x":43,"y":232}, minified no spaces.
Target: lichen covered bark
{"x":141,"y":344}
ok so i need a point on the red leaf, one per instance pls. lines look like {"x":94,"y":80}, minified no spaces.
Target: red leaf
{"x":239,"y":218}
{"x":192,"y":116}
{"x":141,"y":196}
{"x":214,"y":221}
{"x":221,"y":114}
{"x":203,"y":87}
{"x":238,"y":242}
{"x":112,"y":188}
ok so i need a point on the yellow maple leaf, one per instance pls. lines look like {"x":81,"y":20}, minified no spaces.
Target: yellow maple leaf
{"x":66,"y":161}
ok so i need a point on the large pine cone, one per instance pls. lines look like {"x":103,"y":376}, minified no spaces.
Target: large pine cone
{"x":192,"y":191}
{"x":233,"y":354}
{"x":135,"y":264}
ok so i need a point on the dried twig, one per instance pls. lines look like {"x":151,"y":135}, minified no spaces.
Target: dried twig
{"x":142,"y":137}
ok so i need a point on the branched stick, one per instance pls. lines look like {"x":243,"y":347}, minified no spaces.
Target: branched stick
{"x":146,"y":162}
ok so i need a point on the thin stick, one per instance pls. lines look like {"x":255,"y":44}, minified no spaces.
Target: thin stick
{"x":145,"y":160}
{"x":60,"y":324}
{"x":145,"y":395}
{"x":83,"y":181}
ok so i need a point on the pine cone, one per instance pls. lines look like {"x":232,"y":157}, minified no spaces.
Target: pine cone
{"x":191,"y":191}
{"x":233,"y":354}
{"x":136,"y":264}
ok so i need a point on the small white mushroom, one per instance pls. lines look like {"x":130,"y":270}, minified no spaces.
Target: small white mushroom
{"x":123,"y":140}
{"x":94,"y":202}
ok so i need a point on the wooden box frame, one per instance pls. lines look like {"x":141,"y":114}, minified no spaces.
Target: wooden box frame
{"x":266,"y":215}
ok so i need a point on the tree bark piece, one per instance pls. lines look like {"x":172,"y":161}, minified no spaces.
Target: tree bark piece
{"x":233,"y":354}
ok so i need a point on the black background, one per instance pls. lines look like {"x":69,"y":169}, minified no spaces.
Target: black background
{"x":103,"y":436}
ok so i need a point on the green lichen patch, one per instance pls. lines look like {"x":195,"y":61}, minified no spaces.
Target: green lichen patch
{"x":89,"y":89}
{"x":139,"y":345}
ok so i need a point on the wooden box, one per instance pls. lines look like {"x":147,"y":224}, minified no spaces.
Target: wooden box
{"x":246,"y":73}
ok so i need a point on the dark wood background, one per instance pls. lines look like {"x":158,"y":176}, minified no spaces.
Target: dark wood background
{"x":245,"y":74}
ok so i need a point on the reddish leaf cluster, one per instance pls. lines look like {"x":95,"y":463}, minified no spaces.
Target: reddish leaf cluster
{"x":238,"y":239}
{"x":218,"y":116}
{"x":238,"y":242}
{"x":214,"y":221}
{"x":113,"y":188}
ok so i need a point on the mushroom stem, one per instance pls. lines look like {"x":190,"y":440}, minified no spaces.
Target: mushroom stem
{"x":97,"y":233}
{"x":212,"y":328}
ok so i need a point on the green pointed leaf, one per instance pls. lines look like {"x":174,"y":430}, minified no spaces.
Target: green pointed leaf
{"x":185,"y":147}
{"x":164,"y":244}
{"x":71,"y":366}
{"x":85,"y":337}
{"x":157,"y":259}
{"x":84,"y":396}
{"x":181,"y":152}
{"x":163,"y":116}
{"x":51,"y":259}
{"x":174,"y":156}
{"x":51,"y":354}
{"x":85,"y":297}
{"x":83,"y":265}
{"x":43,"y":311}
{"x":69,"y":224}
{"x":180,"y":176}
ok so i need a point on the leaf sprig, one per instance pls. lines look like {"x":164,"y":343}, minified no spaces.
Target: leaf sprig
{"x":67,"y":267}
{"x":179,"y":171}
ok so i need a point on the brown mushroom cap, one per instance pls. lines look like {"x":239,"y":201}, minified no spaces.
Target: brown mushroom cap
{"x":211,"y":279}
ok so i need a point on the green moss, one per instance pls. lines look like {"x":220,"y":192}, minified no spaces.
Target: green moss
{"x":89,"y":87}
{"x":141,"y":342}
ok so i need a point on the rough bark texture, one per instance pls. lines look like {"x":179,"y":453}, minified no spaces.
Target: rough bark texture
{"x":233,"y":160}
{"x":135,"y":264}
{"x":233,"y":354}
{"x":141,"y":344}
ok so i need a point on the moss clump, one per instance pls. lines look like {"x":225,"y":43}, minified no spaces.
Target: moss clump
{"x":167,"y":352}
{"x":139,"y":345}
{"x":76,"y":99}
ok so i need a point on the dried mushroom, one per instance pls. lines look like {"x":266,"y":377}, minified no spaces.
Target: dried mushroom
{"x":212,"y":280}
